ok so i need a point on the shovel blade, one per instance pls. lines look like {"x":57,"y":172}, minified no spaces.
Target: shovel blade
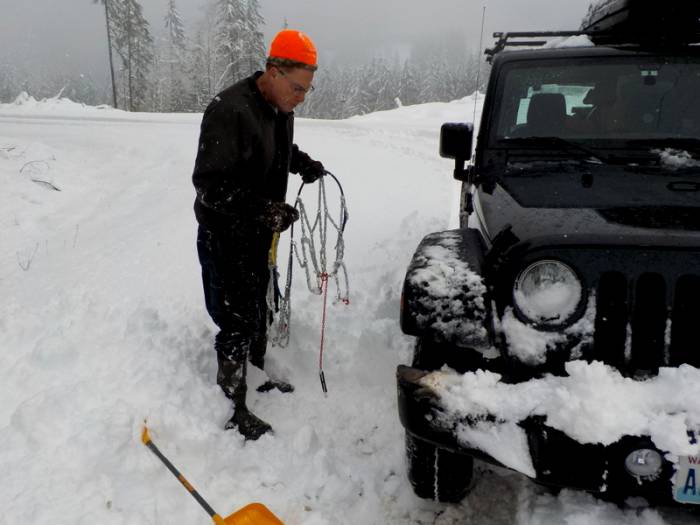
{"x":252,"y":514}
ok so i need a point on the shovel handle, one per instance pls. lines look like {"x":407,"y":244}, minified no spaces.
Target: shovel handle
{"x":146,"y":439}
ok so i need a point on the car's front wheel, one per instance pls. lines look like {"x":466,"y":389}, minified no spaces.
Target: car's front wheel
{"x":436,"y":473}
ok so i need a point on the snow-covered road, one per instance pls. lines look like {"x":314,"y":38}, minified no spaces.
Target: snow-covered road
{"x":103,"y":325}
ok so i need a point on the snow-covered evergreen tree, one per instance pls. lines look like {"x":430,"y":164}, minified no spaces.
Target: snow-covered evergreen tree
{"x":75,"y":86}
{"x":175,"y":27}
{"x":229,"y":42}
{"x":320,"y":100}
{"x":240,"y":48}
{"x":158,"y":81}
{"x":133,"y":44}
{"x":409,"y":85}
{"x":173,"y":60}
{"x":360,"y":98}
{"x":253,"y":40}
{"x":202,"y":61}
{"x":9,"y":81}
{"x":385,"y":85}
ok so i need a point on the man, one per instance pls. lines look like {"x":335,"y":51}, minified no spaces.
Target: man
{"x":246,"y":151}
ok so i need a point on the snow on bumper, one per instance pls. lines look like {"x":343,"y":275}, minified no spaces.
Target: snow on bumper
{"x":593,"y":408}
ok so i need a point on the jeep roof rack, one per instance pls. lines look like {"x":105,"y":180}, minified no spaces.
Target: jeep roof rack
{"x":615,"y":38}
{"x":504,"y":40}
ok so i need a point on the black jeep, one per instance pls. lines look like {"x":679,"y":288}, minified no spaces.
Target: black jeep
{"x":578,"y":251}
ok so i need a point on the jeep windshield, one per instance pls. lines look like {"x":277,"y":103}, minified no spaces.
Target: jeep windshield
{"x":632,"y":103}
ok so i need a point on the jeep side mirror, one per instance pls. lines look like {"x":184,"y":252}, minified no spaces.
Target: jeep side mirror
{"x":456,"y":143}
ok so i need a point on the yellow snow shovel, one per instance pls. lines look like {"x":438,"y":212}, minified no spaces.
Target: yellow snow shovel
{"x":253,"y":514}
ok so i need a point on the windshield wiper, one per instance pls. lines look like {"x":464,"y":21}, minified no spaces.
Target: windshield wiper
{"x":556,"y":142}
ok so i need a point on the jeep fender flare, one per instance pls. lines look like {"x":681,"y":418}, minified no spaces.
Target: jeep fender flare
{"x":444,"y":293}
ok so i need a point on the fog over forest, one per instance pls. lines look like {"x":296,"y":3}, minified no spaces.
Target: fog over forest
{"x":371,"y":53}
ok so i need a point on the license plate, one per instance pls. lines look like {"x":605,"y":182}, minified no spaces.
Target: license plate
{"x":686,"y":486}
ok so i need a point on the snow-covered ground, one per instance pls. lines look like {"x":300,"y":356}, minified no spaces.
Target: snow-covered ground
{"x":102,"y":325}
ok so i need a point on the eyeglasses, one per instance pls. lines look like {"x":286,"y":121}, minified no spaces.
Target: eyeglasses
{"x":298,"y":88}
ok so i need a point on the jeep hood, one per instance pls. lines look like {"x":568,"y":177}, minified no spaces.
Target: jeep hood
{"x":567,"y":208}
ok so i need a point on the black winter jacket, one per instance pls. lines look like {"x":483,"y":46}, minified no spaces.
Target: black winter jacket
{"x":245,"y":153}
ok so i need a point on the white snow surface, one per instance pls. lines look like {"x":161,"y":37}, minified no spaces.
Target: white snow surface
{"x":103,"y":326}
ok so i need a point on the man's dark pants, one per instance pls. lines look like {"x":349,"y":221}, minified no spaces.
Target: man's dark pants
{"x":235,"y":277}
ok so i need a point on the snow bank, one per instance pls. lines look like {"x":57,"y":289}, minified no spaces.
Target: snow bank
{"x":24,"y":103}
{"x":56,"y":107}
{"x":431,"y":115}
{"x":103,"y":325}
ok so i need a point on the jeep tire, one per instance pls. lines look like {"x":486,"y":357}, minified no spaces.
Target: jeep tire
{"x":436,"y":473}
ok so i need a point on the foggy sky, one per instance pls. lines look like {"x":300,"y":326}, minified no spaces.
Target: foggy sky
{"x":69,"y":34}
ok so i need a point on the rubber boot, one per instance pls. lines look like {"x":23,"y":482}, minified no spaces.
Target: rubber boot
{"x":231,"y":379}
{"x":257,"y":358}
{"x":256,"y":353}
{"x":269,"y":385}
{"x":250,"y":426}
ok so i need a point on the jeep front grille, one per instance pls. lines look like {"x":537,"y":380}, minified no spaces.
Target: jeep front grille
{"x":686,"y":307}
{"x":645,"y":323}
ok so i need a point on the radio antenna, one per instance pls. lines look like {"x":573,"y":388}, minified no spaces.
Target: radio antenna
{"x":478,"y":64}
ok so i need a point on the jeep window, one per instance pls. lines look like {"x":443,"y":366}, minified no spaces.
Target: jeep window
{"x":609,"y":98}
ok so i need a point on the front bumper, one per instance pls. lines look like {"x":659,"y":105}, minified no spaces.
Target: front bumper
{"x":557,"y":460}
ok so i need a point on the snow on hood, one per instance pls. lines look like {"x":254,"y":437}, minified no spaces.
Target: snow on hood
{"x":676,"y":159}
{"x":594,"y":404}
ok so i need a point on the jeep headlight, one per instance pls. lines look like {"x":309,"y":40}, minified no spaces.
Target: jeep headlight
{"x":547,"y":292}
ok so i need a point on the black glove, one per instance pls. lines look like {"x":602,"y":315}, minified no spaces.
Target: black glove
{"x":312,"y":171}
{"x":278,"y":216}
